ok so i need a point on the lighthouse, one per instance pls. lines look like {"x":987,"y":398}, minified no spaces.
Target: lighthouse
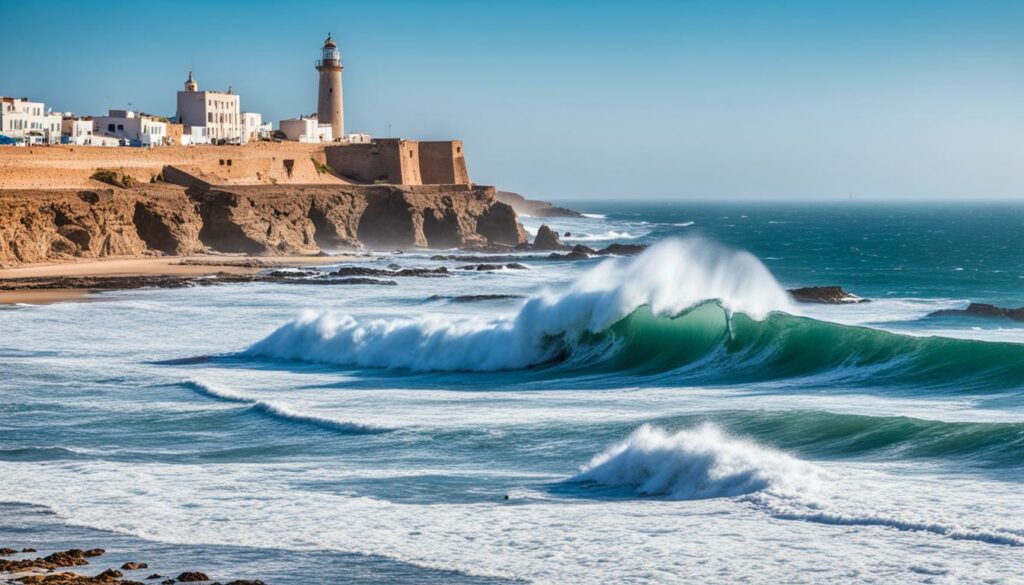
{"x":329,"y":108}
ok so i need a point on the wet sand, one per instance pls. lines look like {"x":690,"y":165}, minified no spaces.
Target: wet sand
{"x":190,"y":266}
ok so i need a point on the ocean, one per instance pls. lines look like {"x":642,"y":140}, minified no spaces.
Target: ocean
{"x":664,"y":418}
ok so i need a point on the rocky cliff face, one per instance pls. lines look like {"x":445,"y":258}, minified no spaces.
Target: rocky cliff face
{"x":39,"y":226}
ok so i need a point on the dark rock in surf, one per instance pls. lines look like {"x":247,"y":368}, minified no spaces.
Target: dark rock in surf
{"x":155,"y":576}
{"x":547,"y":239}
{"x":190,"y":576}
{"x":491,"y":267}
{"x":827,"y":295}
{"x":984,"y":310}
{"x":622,"y":250}
{"x":108,"y":576}
{"x":134,"y":566}
{"x":367,"y":271}
{"x":28,"y":550}
{"x":5,"y":552}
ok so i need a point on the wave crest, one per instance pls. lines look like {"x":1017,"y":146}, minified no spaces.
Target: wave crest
{"x":697,"y":464}
{"x":668,"y":278}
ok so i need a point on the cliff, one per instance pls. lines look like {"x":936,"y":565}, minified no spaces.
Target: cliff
{"x":159,"y":218}
{"x":65,"y":202}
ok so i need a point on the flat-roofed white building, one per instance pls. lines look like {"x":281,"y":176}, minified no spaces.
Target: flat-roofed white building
{"x":77,"y":130}
{"x":28,"y":121}
{"x":219,"y":112}
{"x":139,"y":129}
{"x":254,"y":128}
{"x":358,"y":138}
{"x":306,"y":129}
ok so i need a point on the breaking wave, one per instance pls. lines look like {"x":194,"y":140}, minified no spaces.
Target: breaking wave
{"x":281,"y":412}
{"x":692,"y":308}
{"x":696,"y":464}
{"x":705,"y":463}
{"x":668,"y":279}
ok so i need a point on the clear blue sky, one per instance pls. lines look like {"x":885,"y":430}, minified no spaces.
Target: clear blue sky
{"x":639,"y":99}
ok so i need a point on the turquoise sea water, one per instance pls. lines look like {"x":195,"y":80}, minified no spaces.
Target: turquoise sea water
{"x":671,"y":417}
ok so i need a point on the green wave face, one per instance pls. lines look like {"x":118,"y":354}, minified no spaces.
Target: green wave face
{"x":827,"y":434}
{"x":707,"y":345}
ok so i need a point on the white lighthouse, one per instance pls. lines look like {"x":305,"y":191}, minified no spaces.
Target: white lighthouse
{"x":329,"y":105}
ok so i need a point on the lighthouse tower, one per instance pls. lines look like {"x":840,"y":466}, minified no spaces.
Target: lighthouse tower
{"x":329,"y":110}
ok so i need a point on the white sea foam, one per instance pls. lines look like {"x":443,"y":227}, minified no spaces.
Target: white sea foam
{"x":696,"y":464}
{"x":608,"y":235}
{"x":280,"y":411}
{"x":670,"y":277}
{"x":594,"y":215}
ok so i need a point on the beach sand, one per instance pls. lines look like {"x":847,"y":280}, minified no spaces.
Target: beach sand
{"x":158,"y":266}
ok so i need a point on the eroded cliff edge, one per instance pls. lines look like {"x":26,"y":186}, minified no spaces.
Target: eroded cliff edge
{"x":159,"y":218}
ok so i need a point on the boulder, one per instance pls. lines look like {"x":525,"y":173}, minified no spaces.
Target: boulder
{"x":190,"y":576}
{"x":547,"y":239}
{"x":827,"y":295}
{"x":134,"y":566}
{"x":108,"y":576}
{"x":622,"y":250}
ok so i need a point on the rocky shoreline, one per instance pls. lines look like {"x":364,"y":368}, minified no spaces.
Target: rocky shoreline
{"x":47,"y":570}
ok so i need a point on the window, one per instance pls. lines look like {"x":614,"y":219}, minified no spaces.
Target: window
{"x":209,"y":117}
{"x":110,"y":127}
{"x":120,"y":127}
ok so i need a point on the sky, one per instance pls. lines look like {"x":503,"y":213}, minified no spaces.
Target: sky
{"x":634,"y":99}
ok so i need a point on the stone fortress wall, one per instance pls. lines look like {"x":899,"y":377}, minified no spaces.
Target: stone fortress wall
{"x":400,"y":162}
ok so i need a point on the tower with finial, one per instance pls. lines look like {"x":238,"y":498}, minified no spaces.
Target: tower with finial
{"x":329,"y":105}
{"x":190,"y":84}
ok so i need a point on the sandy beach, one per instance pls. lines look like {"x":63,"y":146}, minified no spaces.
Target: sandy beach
{"x":185,"y":266}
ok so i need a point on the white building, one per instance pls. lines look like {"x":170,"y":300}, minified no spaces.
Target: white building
{"x":193,"y":135}
{"x":306,"y":129}
{"x":220,"y":113}
{"x":254,"y":128}
{"x":358,"y":138}
{"x":28,"y":121}
{"x":138,"y":129}
{"x":77,"y":130}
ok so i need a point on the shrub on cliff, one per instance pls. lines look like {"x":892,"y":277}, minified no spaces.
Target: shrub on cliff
{"x":112,"y":177}
{"x":321,"y":168}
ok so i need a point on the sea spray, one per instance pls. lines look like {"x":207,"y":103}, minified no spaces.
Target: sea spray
{"x":696,"y":464}
{"x":669,"y":278}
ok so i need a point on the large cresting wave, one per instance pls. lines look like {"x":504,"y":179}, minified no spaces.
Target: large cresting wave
{"x":668,"y":278}
{"x":690,"y":307}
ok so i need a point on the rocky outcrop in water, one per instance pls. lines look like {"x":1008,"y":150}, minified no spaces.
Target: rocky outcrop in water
{"x":827,"y":295}
{"x":535,"y":207}
{"x":983,"y":310}
{"x":157,"y":219}
{"x":581,"y":252}
{"x":547,"y":239}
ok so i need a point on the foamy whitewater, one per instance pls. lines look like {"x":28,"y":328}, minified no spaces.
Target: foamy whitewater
{"x":671,"y":417}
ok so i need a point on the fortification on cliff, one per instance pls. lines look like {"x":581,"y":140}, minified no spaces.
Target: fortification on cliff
{"x":266,"y":198}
